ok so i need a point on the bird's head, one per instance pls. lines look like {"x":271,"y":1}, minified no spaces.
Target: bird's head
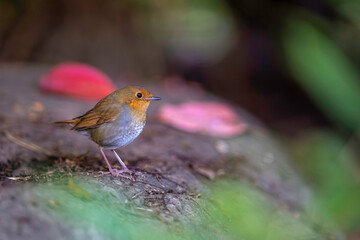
{"x":137,"y":97}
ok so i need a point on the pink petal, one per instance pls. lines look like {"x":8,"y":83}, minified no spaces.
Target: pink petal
{"x":77,"y":80}
{"x":210,"y":118}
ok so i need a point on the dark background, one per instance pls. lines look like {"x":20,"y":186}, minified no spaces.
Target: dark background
{"x":232,"y":48}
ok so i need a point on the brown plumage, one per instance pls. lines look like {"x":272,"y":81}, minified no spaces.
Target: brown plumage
{"x":115,"y":121}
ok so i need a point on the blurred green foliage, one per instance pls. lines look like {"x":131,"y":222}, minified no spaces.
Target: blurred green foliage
{"x":329,"y":165}
{"x":235,"y":211}
{"x":249,"y":214}
{"x":82,"y":206}
{"x":332,"y":80}
{"x":198,"y":32}
{"x":324,"y":71}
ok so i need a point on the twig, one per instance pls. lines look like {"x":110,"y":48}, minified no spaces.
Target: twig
{"x":144,"y":209}
{"x":30,"y":146}
{"x":201,"y":206}
{"x":136,"y":195}
{"x":19,"y":178}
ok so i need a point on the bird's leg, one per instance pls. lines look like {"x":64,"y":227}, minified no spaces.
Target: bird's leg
{"x":107,"y":162}
{"x":125,"y":169}
{"x":112,"y":171}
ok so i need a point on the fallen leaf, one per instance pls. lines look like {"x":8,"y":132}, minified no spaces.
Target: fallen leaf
{"x":209,"y":118}
{"x":77,"y":80}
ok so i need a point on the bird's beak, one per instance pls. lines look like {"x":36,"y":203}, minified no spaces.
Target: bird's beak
{"x":153,"y":98}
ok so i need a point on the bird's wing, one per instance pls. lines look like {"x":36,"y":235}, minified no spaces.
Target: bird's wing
{"x":96,"y":117}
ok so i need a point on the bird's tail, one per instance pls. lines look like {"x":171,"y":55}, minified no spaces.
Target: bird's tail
{"x":67,"y":121}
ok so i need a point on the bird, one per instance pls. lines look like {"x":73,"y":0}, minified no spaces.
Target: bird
{"x":115,"y":121}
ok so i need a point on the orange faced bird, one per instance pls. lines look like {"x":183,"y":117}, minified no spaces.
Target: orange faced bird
{"x":115,"y":121}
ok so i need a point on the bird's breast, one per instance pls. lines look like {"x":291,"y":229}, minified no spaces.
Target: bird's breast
{"x":118,"y":133}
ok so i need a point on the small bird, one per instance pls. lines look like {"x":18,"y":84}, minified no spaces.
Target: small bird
{"x":115,"y":121}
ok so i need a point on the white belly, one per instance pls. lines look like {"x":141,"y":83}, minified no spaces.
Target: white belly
{"x":120,"y":137}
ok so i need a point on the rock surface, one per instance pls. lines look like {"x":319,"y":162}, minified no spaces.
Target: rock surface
{"x":50,"y":186}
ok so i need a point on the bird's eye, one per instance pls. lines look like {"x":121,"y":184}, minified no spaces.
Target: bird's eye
{"x":139,"y":95}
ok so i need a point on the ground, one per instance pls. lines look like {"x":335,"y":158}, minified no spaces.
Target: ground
{"x":51,"y":188}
